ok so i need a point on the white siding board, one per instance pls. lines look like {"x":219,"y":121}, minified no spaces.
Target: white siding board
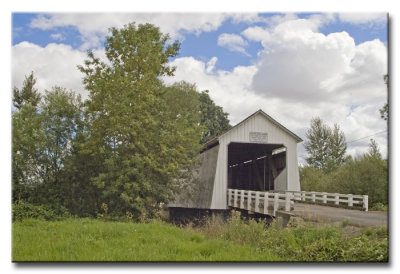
{"x":280,"y":181}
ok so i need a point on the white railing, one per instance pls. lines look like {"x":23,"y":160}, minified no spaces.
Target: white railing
{"x":260,"y":201}
{"x":350,"y":200}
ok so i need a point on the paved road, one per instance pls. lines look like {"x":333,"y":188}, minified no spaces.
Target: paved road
{"x":317,"y":213}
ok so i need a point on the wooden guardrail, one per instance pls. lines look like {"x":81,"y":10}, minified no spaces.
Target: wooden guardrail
{"x":271,"y":201}
{"x":337,"y":199}
{"x":260,"y":201}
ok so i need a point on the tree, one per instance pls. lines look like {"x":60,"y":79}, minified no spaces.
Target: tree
{"x":213,"y":118}
{"x":337,"y":149}
{"x":373,"y":150}
{"x":363,"y":175}
{"x":385,"y":109}
{"x":27,"y":146}
{"x":326,"y":147}
{"x":41,"y":141}
{"x":139,"y":136}
{"x":28,"y":93}
{"x":61,"y":117}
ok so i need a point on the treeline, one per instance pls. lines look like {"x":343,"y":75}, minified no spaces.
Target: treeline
{"x":329,"y":169}
{"x":123,"y":150}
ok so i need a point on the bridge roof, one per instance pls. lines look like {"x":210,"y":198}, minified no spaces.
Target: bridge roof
{"x":214,"y":141}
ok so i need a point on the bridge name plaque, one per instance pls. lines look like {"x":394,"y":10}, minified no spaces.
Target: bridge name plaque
{"x":258,"y":137}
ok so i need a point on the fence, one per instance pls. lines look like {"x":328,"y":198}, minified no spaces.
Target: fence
{"x":259,"y":201}
{"x":269,"y":202}
{"x":349,"y":200}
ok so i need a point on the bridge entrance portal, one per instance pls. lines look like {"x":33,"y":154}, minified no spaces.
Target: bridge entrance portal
{"x":253,"y":166}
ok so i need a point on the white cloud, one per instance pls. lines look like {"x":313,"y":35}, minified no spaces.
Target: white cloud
{"x":57,"y":36}
{"x":211,"y":64}
{"x":363,"y":18}
{"x":247,"y":17}
{"x":53,"y":65}
{"x":233,"y":42}
{"x":94,"y":26}
{"x":256,"y":34}
{"x":227,"y":88}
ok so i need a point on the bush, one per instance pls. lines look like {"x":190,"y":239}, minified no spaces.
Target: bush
{"x":312,"y":179}
{"x":22,"y":210}
{"x":365,"y":175}
{"x":308,"y":243}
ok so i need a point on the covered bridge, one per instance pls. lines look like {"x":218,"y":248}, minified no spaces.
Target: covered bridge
{"x":256,"y":154}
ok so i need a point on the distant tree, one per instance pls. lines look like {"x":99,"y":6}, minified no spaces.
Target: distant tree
{"x":385,"y":109}
{"x":28,"y":142}
{"x":373,"y":150}
{"x":337,"y":149}
{"x":213,"y":118}
{"x":326,"y":147}
{"x":41,"y":142}
{"x":61,"y":113}
{"x":28,"y":93}
{"x":317,"y":143}
{"x":363,"y":175}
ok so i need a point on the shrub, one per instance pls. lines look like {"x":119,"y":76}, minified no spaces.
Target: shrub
{"x":23,"y":210}
{"x":312,"y":179}
{"x":364,"y":175}
{"x":308,"y":243}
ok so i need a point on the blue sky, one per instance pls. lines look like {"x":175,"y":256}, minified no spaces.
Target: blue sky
{"x":294,"y":66}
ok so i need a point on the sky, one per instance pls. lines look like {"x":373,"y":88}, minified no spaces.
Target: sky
{"x":294,"y":66}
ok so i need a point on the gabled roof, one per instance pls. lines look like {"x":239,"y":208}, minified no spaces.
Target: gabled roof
{"x":215,"y":139}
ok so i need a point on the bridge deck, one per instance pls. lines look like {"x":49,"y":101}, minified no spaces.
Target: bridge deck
{"x":319,"y":213}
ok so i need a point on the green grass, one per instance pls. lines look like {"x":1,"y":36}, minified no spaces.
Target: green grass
{"x":235,"y":240}
{"x":95,"y":240}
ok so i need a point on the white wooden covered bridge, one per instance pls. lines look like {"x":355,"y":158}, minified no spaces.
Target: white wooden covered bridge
{"x":253,"y":167}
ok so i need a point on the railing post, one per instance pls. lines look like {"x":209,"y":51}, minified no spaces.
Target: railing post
{"x":336,"y":198}
{"x":287,"y":201}
{"x":241,"y":199}
{"x":249,"y":199}
{"x":313,"y":197}
{"x":266,"y":201}
{"x":303,"y":196}
{"x":229,"y":197}
{"x":324,"y":197}
{"x":276,"y":202}
{"x":365,"y":202}
{"x":350,"y":199}
{"x":257,"y":203}
{"x":235,"y":192}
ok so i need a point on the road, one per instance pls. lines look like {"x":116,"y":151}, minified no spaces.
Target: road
{"x":318,"y":213}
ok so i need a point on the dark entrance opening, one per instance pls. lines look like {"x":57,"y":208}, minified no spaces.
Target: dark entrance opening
{"x":254,"y":166}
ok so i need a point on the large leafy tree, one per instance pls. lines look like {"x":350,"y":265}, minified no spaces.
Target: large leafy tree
{"x":139,"y":132}
{"x":213,"y":118}
{"x":326,"y":147}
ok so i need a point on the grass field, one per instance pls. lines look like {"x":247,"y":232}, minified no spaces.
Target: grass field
{"x":97,"y":240}
{"x":94,"y":240}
